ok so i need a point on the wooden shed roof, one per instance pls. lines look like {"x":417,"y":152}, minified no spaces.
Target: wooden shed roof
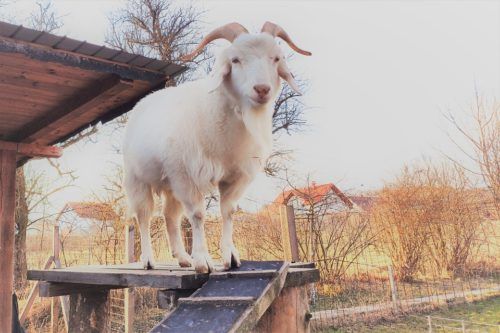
{"x":52,"y":87}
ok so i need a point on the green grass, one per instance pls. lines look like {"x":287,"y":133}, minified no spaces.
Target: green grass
{"x":486,"y":311}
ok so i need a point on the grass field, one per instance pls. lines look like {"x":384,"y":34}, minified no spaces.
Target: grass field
{"x":486,"y":312}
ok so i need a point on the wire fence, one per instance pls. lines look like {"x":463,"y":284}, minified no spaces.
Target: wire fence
{"x":370,"y":293}
{"x":357,"y":284}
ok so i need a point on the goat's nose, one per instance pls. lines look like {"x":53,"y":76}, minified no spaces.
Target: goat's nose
{"x":262,"y":89}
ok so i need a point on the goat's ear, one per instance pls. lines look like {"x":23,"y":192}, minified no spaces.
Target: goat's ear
{"x":219,"y":74}
{"x":286,"y":75}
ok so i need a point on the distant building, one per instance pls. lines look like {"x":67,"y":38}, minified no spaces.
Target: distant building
{"x":325,"y":194}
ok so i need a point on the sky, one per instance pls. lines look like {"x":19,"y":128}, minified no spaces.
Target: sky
{"x":381,"y":76}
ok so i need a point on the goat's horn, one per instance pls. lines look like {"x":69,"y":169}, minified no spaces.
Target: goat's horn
{"x":229,"y":32}
{"x":277,"y":31}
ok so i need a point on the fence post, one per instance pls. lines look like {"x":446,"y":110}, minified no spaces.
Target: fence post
{"x":429,"y":323}
{"x":289,"y":233}
{"x":129,"y":292}
{"x":463,"y":326}
{"x":54,"y":304}
{"x":394,"y":289}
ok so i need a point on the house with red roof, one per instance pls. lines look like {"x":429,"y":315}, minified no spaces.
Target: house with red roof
{"x":324,"y":194}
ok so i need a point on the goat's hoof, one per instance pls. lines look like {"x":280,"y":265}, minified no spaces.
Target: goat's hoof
{"x":184,"y":260}
{"x":203,"y":264}
{"x":148,"y":264}
{"x":231,"y":257}
{"x":147,"y":261}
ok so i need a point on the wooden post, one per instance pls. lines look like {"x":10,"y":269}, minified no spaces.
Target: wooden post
{"x":54,"y":315}
{"x":54,"y":304}
{"x":394,"y":289}
{"x":89,"y":312}
{"x":129,"y":292}
{"x":463,"y":326}
{"x":56,"y":251}
{"x":429,"y":324}
{"x":288,"y":313}
{"x":7,"y":208}
{"x":289,"y":233}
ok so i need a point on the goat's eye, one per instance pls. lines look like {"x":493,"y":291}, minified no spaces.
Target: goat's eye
{"x":235,"y":61}
{"x":276,"y":59}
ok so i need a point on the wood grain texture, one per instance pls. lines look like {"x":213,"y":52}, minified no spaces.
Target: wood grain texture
{"x":89,"y":312}
{"x":31,"y":149}
{"x":289,"y":313}
{"x":7,"y":207}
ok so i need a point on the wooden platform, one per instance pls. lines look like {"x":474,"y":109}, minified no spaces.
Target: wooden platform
{"x":164,"y":276}
{"x":224,"y":301}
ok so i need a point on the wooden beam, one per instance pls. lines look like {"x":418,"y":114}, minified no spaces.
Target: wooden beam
{"x":78,"y":61}
{"x":7,"y":208}
{"x":33,"y":150}
{"x":70,"y":109}
{"x":52,"y":289}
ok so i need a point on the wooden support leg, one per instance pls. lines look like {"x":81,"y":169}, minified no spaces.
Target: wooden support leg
{"x":54,"y":315}
{"x":288,"y":313}
{"x":7,"y":207}
{"x":89,"y":312}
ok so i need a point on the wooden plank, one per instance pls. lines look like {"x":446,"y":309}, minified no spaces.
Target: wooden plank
{"x":7,"y":208}
{"x":31,"y":149}
{"x":89,"y":312}
{"x":123,"y":278}
{"x":33,"y":293}
{"x":301,"y":276}
{"x":252,"y":315}
{"x":220,"y":300}
{"x":247,"y":274}
{"x":52,"y":289}
{"x":73,"y":107}
{"x":77,"y":61}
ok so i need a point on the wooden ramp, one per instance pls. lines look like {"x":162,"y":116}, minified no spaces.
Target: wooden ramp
{"x":235,"y":300}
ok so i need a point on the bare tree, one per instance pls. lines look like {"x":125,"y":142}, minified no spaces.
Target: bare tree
{"x":45,"y":18}
{"x":33,"y":192}
{"x":482,"y":147}
{"x":158,"y":28}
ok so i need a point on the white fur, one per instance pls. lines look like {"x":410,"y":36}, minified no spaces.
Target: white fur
{"x":183,"y":142}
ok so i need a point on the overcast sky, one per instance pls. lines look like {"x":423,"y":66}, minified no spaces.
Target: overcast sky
{"x":381,"y":75}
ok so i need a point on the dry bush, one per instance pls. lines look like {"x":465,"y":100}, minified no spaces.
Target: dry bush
{"x":428,"y":220}
{"x":330,"y":233}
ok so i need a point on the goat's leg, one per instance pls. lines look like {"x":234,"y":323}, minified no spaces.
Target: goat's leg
{"x":201,"y":259}
{"x":140,"y":200}
{"x":172,"y":212}
{"x":230,"y":192}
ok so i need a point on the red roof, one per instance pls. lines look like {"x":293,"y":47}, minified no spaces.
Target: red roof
{"x":92,"y":210}
{"x":313,"y":194}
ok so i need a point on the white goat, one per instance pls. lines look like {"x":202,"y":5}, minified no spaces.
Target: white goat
{"x":183,"y":141}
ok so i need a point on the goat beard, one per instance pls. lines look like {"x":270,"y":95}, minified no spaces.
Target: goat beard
{"x":258,"y":122}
